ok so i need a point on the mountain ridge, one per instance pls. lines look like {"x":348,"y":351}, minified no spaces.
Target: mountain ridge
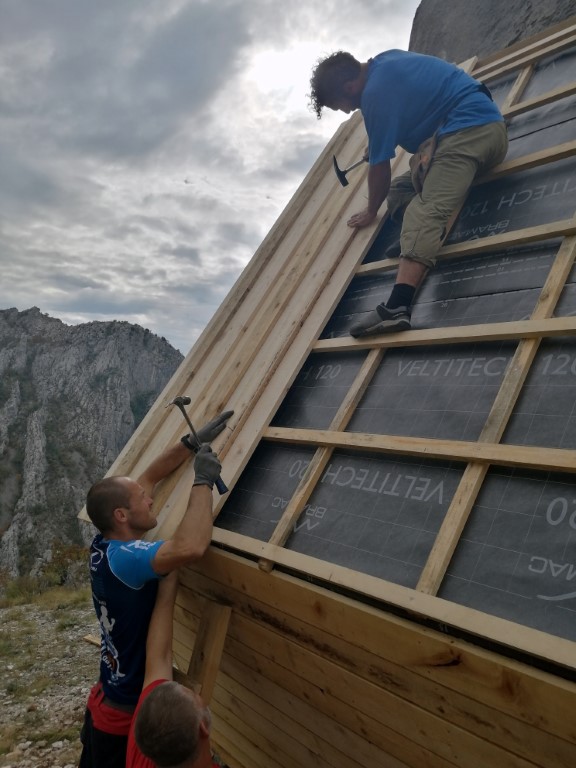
{"x":70,"y":398}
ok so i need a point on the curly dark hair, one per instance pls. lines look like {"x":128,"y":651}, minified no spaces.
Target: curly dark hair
{"x":328,"y":78}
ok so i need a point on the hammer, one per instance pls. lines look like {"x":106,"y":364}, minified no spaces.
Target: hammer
{"x":341,"y":174}
{"x":180,"y":402}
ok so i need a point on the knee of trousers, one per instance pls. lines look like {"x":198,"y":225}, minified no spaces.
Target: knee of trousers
{"x":427,"y":261}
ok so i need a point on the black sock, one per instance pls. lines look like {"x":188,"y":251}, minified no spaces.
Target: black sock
{"x":401,"y":296}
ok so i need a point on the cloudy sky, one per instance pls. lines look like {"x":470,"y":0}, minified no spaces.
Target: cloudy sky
{"x":148,"y":147}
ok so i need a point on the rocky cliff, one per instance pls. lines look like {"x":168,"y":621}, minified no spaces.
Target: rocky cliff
{"x":456,"y":30}
{"x":70,"y":397}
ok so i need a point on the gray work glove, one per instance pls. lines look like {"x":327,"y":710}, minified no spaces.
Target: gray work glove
{"x":207,"y":466}
{"x":208,"y":432}
{"x":212,"y":429}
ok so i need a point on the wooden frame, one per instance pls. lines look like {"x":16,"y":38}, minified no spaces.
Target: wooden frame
{"x":322,"y":665}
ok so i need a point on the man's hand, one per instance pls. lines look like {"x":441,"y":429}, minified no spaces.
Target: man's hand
{"x":379,"y":176}
{"x":207,"y":467}
{"x":212,"y":429}
{"x":362,"y":219}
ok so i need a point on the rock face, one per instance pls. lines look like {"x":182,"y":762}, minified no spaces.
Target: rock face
{"x":455,"y":30}
{"x":70,"y":397}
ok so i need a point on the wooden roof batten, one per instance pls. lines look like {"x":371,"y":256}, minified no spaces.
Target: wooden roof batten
{"x":315,"y":662}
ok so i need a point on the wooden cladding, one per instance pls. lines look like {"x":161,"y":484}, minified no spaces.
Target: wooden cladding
{"x":392,"y":576}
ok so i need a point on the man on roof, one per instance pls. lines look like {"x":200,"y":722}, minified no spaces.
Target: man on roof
{"x":405,"y":99}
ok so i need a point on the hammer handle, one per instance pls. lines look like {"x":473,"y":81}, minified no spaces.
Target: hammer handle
{"x":355,"y":165}
{"x":221,"y":486}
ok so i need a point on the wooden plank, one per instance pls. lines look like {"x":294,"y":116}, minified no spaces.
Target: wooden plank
{"x":198,"y":374}
{"x":184,"y":680}
{"x":297,"y":666}
{"x":509,"y":733}
{"x":553,"y":327}
{"x":208,"y":378}
{"x":204,"y":381}
{"x":234,"y":748}
{"x":331,"y":683}
{"x":428,"y":698}
{"x":554,"y":40}
{"x":391,"y":749}
{"x":310,"y":737}
{"x":320,"y":460}
{"x":504,"y":731}
{"x":490,"y":244}
{"x":533,"y":160}
{"x":265,"y":405}
{"x":518,"y":88}
{"x":242,"y":679}
{"x":181,"y":653}
{"x":533,"y":42}
{"x":397,"y":678}
{"x":368,"y":728}
{"x":556,"y":94}
{"x":446,"y":659}
{"x":516,"y":373}
{"x":280,"y":339}
{"x":298,"y":208}
{"x":266,"y":744}
{"x":524,"y":456}
{"x":205,"y":661}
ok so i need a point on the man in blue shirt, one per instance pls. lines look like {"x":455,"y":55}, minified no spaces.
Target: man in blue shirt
{"x":406,"y":98}
{"x":124,"y":573}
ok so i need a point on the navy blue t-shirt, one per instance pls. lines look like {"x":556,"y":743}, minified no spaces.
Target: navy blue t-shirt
{"x":408,"y":96}
{"x":124,"y":587}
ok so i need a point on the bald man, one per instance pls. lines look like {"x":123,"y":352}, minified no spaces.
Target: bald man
{"x":124,"y":573}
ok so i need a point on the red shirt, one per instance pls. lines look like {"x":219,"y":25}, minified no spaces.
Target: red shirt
{"x":135,"y":758}
{"x":107,"y":718}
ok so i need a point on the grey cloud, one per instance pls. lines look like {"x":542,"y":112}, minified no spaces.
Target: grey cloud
{"x":33,"y":182}
{"x":236,"y":233}
{"x":116,"y":83}
{"x":186,"y":253}
{"x":191,"y":55}
{"x":140,"y":167}
{"x":127,"y":226}
{"x":105,"y":303}
{"x":202,"y":294}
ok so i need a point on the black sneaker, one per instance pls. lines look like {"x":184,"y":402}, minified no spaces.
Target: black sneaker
{"x":382,"y":320}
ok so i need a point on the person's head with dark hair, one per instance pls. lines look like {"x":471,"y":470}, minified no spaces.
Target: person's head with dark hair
{"x":336,"y":83}
{"x":121,"y":500}
{"x":172,"y":727}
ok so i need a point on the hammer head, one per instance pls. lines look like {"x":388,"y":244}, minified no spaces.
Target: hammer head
{"x":340,"y":175}
{"x":181,"y":400}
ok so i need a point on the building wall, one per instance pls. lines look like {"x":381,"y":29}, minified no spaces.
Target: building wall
{"x":444,"y":636}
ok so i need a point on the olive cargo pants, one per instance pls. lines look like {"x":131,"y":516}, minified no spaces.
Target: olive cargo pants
{"x":458,"y":159}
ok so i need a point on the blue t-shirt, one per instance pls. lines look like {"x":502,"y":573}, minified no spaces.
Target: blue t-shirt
{"x":408,"y":96}
{"x":124,"y":587}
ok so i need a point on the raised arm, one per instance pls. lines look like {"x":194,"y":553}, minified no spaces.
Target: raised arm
{"x":162,"y":466}
{"x":192,"y":537}
{"x":159,"y":642}
{"x":172,"y":457}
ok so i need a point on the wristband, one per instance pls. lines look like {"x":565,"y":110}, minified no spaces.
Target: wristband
{"x":190,"y":445}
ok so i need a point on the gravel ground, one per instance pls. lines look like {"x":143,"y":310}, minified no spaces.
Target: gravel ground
{"x":47,"y":671}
